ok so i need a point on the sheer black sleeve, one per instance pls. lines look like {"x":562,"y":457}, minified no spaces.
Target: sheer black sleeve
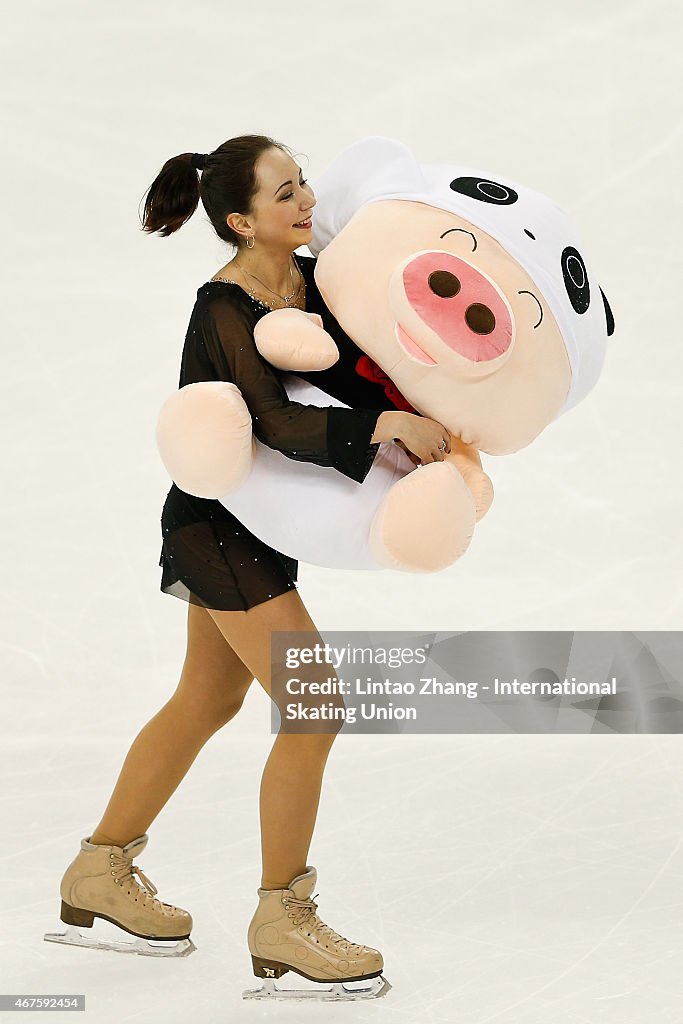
{"x":327,"y":436}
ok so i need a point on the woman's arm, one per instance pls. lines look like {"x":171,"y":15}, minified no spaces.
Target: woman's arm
{"x":327,"y":436}
{"x":390,"y":425}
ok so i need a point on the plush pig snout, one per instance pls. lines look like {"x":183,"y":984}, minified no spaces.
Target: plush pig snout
{"x":460,"y":303}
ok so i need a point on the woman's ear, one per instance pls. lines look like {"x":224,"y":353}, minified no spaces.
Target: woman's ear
{"x":239,"y":223}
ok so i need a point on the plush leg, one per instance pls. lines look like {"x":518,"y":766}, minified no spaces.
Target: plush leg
{"x":468,"y":462}
{"x":426,"y":521}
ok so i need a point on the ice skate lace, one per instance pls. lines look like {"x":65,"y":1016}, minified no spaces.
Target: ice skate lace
{"x":305,"y":911}
{"x":123,"y":871}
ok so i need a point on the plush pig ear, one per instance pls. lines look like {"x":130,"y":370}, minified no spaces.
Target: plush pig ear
{"x":376,"y":167}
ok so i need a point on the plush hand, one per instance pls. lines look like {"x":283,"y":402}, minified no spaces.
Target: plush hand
{"x":291,"y":339}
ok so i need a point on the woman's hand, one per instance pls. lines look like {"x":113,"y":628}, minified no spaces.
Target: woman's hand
{"x":419,"y":436}
{"x":422,"y":437}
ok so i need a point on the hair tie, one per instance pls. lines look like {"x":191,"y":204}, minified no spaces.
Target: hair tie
{"x":198,"y":160}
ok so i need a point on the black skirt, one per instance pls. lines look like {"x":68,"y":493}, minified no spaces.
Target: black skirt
{"x":209,"y":558}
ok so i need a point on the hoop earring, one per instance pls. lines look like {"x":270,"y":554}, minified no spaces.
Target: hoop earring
{"x":253,"y":239}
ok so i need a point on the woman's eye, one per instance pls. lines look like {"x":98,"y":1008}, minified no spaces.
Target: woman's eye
{"x":290,"y":194}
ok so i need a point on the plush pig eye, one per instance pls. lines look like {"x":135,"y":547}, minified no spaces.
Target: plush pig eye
{"x":465,"y":232}
{"x":485,"y":191}
{"x":540,"y":307}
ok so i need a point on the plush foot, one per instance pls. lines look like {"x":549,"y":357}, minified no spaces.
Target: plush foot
{"x":426,"y":522}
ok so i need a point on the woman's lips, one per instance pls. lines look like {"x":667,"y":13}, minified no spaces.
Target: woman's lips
{"x":413,"y":349}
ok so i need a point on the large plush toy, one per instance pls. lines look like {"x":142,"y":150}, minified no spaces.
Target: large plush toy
{"x":472,"y":293}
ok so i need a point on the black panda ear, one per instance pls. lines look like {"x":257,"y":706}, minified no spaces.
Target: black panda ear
{"x":608,"y":314}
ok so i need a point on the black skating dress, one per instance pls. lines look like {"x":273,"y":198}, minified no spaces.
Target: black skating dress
{"x":208,"y":557}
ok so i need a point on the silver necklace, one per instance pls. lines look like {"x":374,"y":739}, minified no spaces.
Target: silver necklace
{"x":284,"y":298}
{"x":293,"y":295}
{"x":287,"y":299}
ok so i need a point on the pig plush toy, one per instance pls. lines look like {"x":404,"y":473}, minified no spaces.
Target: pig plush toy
{"x":472,"y":293}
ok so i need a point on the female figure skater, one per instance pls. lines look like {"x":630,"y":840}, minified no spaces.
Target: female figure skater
{"x":239,"y":589}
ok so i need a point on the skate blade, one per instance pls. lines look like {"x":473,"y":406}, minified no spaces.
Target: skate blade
{"x":144,"y":947}
{"x":339,"y":990}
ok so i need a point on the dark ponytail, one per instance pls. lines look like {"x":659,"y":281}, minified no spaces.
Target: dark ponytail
{"x":227,"y":185}
{"x":172,"y":197}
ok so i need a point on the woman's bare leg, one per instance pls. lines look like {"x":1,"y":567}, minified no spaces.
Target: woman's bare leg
{"x":292,"y":777}
{"x":212,"y":687}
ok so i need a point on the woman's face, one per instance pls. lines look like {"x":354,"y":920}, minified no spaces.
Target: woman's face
{"x":282,"y":200}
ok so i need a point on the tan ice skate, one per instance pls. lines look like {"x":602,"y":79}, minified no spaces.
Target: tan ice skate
{"x":100,"y":882}
{"x":286,"y":934}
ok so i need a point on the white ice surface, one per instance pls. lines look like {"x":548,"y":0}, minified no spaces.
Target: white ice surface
{"x":507,"y":879}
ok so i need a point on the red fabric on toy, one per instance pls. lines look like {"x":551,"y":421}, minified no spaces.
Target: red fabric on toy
{"x":368,"y":368}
